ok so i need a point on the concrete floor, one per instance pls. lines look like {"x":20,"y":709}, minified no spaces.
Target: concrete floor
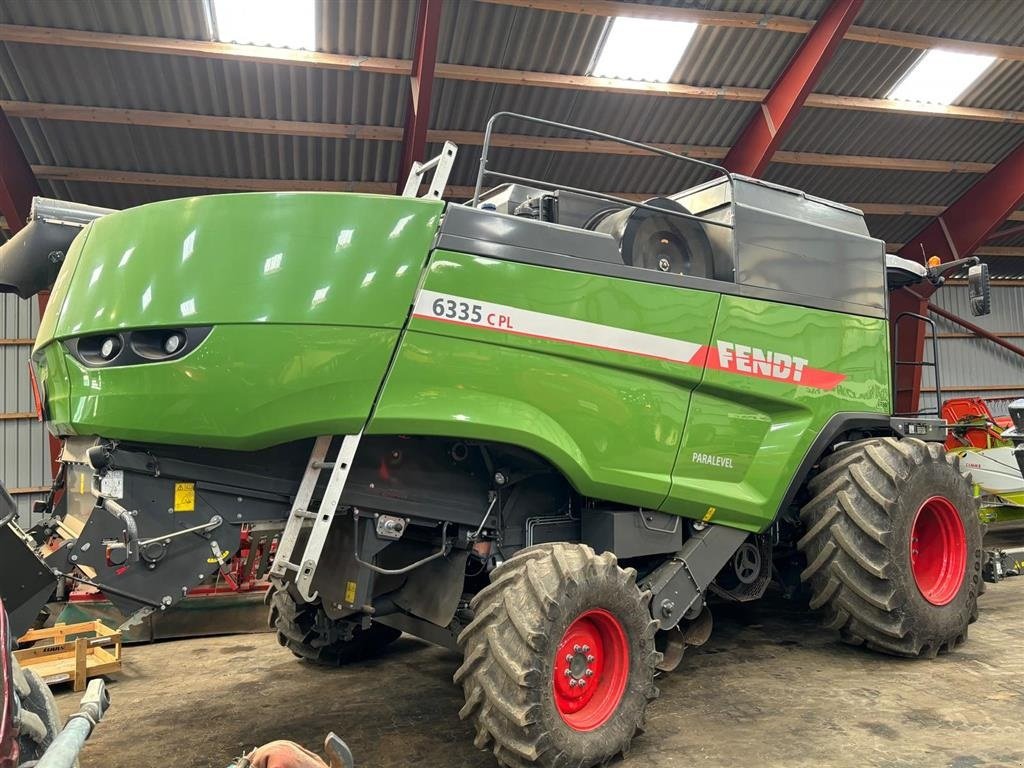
{"x":769,"y":689}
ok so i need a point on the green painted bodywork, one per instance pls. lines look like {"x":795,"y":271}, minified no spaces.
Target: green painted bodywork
{"x":766,"y":427}
{"x":309,"y":297}
{"x":307,"y":293}
{"x":622,"y":427}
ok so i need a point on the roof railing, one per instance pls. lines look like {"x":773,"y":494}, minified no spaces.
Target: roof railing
{"x":485,"y":171}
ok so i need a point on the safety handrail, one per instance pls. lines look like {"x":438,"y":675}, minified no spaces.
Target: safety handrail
{"x":484,"y":171}
{"x":934,"y":364}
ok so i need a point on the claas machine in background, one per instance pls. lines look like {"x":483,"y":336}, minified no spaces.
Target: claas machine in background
{"x":543,"y":427}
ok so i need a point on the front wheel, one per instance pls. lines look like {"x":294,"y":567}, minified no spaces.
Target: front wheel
{"x":311,"y":635}
{"x":893,"y":546}
{"x":559,"y":658}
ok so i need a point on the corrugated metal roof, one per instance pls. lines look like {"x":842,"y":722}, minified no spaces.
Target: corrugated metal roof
{"x":491,"y":35}
{"x":888,"y":134}
{"x":1005,"y":267}
{"x":989,"y":21}
{"x":802,"y":9}
{"x":866,"y":69}
{"x":163,"y":18}
{"x":858,"y":185}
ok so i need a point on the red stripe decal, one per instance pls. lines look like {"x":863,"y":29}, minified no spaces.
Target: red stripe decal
{"x":784,"y":371}
{"x":726,"y":356}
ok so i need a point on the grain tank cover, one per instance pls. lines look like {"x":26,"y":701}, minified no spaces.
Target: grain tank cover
{"x":788,"y":241}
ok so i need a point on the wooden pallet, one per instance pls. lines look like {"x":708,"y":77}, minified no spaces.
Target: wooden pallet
{"x":72,"y":652}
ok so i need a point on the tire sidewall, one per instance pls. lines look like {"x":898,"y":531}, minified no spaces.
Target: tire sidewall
{"x":936,"y":478}
{"x":615,"y":734}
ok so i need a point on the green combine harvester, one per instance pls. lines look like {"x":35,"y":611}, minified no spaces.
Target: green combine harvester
{"x":543,"y":427}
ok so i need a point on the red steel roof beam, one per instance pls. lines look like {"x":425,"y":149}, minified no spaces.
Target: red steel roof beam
{"x":18,"y":186}
{"x":766,"y":129}
{"x":956,"y":234}
{"x":421,"y":83}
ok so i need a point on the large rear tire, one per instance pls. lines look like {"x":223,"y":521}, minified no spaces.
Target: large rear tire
{"x":308,"y":632}
{"x":893,"y":546}
{"x":559,"y":658}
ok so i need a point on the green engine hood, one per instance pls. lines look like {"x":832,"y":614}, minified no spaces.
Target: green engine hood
{"x":305,"y":295}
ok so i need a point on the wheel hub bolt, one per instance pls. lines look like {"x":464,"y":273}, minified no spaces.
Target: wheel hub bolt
{"x":585,"y":649}
{"x":589,"y":673}
{"x":590,"y":659}
{"x":568,"y":658}
{"x":582,"y":682}
{"x":568,"y":673}
{"x":575,"y":649}
{"x":573,"y":683}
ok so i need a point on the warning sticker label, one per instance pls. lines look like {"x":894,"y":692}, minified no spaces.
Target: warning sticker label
{"x":184,"y":497}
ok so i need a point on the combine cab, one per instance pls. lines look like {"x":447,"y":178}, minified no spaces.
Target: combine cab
{"x":542,"y":427}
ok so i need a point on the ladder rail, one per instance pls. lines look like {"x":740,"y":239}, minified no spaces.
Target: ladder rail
{"x":286,"y":544}
{"x":325,"y":516}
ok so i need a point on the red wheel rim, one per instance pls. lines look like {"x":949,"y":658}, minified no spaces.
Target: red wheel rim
{"x":938,"y":550}
{"x":591,"y":670}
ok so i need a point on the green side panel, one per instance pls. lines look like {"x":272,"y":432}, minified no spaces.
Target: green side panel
{"x":610,"y":420}
{"x":61,"y":287}
{"x":245,"y":387}
{"x":306,"y":293}
{"x":52,"y":374}
{"x":291,"y":258}
{"x":747,"y":434}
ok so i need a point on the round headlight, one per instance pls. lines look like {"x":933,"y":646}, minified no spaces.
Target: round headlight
{"x":110,"y":347}
{"x":173,"y":343}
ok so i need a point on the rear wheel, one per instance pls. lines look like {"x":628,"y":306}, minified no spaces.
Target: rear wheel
{"x":308,"y":632}
{"x":893,"y":546}
{"x":41,"y":722}
{"x":559,"y":658}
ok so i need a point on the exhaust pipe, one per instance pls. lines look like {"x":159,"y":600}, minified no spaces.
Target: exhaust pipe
{"x":31,"y":260}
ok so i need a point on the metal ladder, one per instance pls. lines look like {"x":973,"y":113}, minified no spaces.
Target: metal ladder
{"x":305,"y":567}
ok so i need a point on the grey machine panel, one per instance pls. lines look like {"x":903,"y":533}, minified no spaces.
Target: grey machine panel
{"x":489,"y":233}
{"x":790,"y":247}
{"x":632,"y":533}
{"x":795,"y":243}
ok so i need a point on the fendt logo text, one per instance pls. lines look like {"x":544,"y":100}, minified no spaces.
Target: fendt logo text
{"x":760,"y":362}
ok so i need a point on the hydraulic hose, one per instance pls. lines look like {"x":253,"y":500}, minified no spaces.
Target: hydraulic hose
{"x":63,"y":752}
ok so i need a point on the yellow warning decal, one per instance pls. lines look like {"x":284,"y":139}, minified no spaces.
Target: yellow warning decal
{"x":350,"y":592}
{"x":709,"y":514}
{"x":184,"y":497}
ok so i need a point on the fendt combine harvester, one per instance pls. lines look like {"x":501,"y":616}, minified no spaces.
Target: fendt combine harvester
{"x":543,"y":427}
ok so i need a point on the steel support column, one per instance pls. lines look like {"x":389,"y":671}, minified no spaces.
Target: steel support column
{"x":754,"y":149}
{"x":956,"y":234}
{"x":421,"y":83}
{"x":18,"y":186}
